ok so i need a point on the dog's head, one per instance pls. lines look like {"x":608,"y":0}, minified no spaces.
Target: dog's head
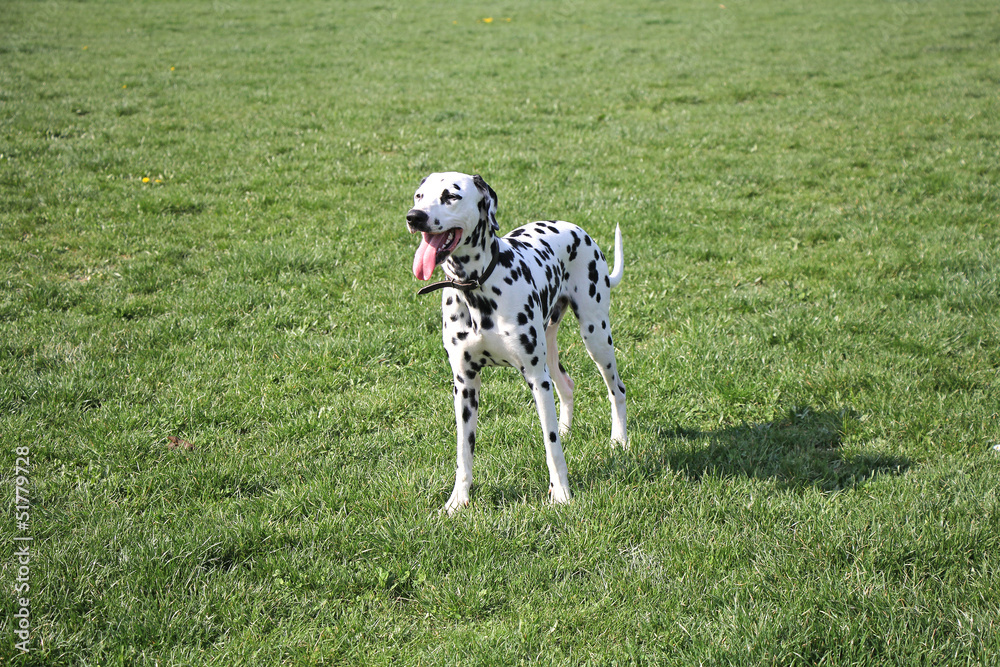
{"x":456,"y":215}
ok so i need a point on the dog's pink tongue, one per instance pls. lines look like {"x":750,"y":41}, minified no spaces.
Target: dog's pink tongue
{"x":426,"y":258}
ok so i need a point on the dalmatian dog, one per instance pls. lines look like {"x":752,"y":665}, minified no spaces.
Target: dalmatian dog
{"x":502,"y":303}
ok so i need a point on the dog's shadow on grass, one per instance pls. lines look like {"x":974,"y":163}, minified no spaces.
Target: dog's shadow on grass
{"x":801,"y":449}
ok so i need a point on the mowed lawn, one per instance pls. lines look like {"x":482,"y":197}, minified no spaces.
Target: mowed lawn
{"x":202,"y":237}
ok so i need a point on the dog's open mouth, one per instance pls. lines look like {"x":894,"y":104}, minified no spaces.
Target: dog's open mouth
{"x":434,"y":249}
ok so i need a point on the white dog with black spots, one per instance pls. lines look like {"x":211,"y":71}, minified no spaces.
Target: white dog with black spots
{"x":502,"y":304}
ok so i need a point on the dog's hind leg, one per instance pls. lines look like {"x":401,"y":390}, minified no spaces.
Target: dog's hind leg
{"x":562,"y":380}
{"x":597,"y":339}
{"x":539,"y":381}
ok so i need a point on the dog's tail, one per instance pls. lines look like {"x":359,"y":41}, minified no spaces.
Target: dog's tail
{"x":619,"y":270}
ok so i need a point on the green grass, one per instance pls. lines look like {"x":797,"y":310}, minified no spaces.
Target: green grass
{"x":201,"y":235}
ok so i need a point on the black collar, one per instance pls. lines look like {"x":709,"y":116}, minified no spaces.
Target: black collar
{"x":471,"y":284}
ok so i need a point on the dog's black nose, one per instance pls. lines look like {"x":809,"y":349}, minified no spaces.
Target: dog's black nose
{"x":416,"y":220}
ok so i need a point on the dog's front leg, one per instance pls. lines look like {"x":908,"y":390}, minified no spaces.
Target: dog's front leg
{"x":467,"y":385}
{"x":540,"y":383}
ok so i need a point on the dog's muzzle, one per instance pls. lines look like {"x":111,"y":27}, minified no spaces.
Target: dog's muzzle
{"x":416,"y":221}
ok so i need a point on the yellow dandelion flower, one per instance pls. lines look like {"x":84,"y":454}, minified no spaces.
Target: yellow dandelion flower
{"x":145,"y":179}
{"x":488,"y":20}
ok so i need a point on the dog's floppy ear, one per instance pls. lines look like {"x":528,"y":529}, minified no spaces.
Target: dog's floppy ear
{"x":489,"y":200}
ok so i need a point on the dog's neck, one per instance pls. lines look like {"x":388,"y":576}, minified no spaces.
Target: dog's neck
{"x":474,"y":283}
{"x":471,"y":260}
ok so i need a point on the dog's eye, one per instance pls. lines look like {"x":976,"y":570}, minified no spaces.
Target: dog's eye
{"x":448,"y":197}
{"x":418,"y":196}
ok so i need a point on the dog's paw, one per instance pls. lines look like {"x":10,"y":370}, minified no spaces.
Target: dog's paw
{"x":459,"y":500}
{"x":558,"y":494}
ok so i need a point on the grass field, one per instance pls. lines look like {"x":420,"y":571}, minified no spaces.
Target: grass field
{"x":202,"y":236}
